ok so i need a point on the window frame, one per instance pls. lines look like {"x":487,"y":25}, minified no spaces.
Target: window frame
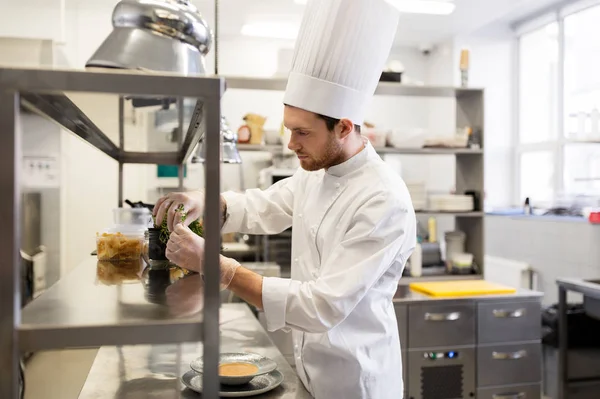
{"x":558,"y":145}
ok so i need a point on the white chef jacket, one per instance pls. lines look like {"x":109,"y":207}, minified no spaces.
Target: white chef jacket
{"x":353,"y":228}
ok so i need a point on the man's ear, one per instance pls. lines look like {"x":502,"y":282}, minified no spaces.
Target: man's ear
{"x":346,"y":127}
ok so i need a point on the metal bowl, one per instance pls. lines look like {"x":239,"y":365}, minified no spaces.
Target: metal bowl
{"x":264,"y":364}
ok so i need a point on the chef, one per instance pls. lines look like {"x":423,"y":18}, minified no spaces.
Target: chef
{"x":353,"y":225}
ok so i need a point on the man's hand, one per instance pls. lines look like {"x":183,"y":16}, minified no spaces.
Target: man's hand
{"x":186,"y":249}
{"x":191,"y":204}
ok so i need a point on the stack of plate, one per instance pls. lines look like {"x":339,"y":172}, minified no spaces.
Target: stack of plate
{"x":451,"y":203}
{"x":418,"y":195}
{"x":249,"y":374}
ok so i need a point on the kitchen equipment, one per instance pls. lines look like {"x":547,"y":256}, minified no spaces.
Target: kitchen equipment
{"x":432,"y":226}
{"x":263,"y":365}
{"x":460,"y":288}
{"x":257,"y":386}
{"x":462,"y":260}
{"x":407,"y":137}
{"x":455,"y":244}
{"x":416,"y":261}
{"x":431,"y":254}
{"x":441,"y":373}
{"x":451,"y":203}
{"x":229,"y":151}
{"x":157,"y":35}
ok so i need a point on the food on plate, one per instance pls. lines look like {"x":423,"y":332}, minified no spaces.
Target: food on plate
{"x":114,"y":273}
{"x":238,"y":369}
{"x":118,"y":246}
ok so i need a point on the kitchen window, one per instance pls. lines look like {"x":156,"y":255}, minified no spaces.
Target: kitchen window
{"x":558,"y":143}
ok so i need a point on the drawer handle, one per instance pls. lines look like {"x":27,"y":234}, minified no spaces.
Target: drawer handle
{"x":517,"y":395}
{"x":505,"y":314}
{"x":509,"y":356}
{"x":442,"y":316}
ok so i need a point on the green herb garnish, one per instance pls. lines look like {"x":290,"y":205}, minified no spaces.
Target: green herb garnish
{"x":195,"y":226}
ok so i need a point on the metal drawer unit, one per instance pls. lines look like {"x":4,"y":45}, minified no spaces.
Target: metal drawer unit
{"x":509,"y":364}
{"x":513,"y":392}
{"x":509,"y":351}
{"x":441,"y":373}
{"x":441,"y":325}
{"x":508,"y":322}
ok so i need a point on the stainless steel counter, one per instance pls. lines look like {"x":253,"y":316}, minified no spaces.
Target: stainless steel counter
{"x":153,"y":371}
{"x":405,"y":295}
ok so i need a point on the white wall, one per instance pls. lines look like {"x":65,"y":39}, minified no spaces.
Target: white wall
{"x":491,"y":67}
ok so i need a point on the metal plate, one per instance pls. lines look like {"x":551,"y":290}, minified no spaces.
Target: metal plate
{"x":257,"y":386}
{"x":264,"y":364}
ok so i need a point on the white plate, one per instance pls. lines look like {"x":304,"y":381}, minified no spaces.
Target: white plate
{"x":263,"y":364}
{"x":259,"y":385}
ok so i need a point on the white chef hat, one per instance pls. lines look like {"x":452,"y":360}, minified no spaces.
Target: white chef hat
{"x":340,"y":53}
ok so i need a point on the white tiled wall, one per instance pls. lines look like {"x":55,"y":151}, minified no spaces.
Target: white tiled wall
{"x":553,"y":248}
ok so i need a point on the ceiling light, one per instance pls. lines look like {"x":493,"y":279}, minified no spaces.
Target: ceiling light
{"x":272,"y":30}
{"x":432,"y":7}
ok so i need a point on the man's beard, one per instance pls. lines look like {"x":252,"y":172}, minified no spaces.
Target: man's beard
{"x":332,"y":155}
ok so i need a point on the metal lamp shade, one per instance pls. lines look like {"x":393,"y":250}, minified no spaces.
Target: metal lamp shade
{"x":157,"y":35}
{"x":229,"y":151}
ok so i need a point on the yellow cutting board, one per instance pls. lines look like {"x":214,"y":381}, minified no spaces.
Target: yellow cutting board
{"x":461,"y":288}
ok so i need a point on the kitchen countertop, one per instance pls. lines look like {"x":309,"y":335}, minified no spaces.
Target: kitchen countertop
{"x":405,"y":295}
{"x":586,"y":287}
{"x":154,"y":370}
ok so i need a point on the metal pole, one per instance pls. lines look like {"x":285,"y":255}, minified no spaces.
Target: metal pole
{"x":180,"y":115}
{"x":10,"y":211}
{"x":212,"y":226}
{"x":121,"y":146}
{"x":563,"y":344}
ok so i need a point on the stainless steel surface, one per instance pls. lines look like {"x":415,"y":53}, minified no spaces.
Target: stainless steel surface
{"x":590,"y":288}
{"x":159,"y":35}
{"x":402,"y":320}
{"x":229,"y":152}
{"x":506,"y":322}
{"x":405,"y":295}
{"x":142,"y":371}
{"x":441,"y":378}
{"x":258,"y":385}
{"x":263,"y":365}
{"x":212,"y":224}
{"x":277,"y":148}
{"x":509,"y":364}
{"x":532,"y":391}
{"x":78,"y":311}
{"x":384,"y":88}
{"x":448,"y":325}
{"x":180,"y":123}
{"x":10,"y":211}
{"x":121,"y":149}
{"x":592,"y":307}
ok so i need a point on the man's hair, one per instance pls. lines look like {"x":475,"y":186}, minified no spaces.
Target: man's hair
{"x":332,"y":122}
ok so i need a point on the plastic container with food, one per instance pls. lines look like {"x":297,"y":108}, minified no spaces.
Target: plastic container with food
{"x":120,"y":243}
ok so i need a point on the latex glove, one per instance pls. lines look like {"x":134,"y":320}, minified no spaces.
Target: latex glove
{"x":193,"y":207}
{"x":186,"y":249}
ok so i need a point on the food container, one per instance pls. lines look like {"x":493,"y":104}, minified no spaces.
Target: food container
{"x":132,"y":217}
{"x":462,"y":260}
{"x":120,"y":243}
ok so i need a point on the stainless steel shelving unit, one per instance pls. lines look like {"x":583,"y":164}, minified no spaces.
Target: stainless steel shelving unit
{"x":74,"y":312}
{"x":469,"y":162}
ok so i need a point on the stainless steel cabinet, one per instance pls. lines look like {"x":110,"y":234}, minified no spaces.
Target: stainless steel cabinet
{"x":441,"y":325}
{"x":512,"y":392}
{"x":508,"y":322}
{"x":509,"y":364}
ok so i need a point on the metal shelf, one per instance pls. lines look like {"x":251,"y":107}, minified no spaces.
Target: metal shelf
{"x":79,"y":311}
{"x":384,"y":88}
{"x":76,"y":312}
{"x":473,"y":214}
{"x":380,"y":150}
